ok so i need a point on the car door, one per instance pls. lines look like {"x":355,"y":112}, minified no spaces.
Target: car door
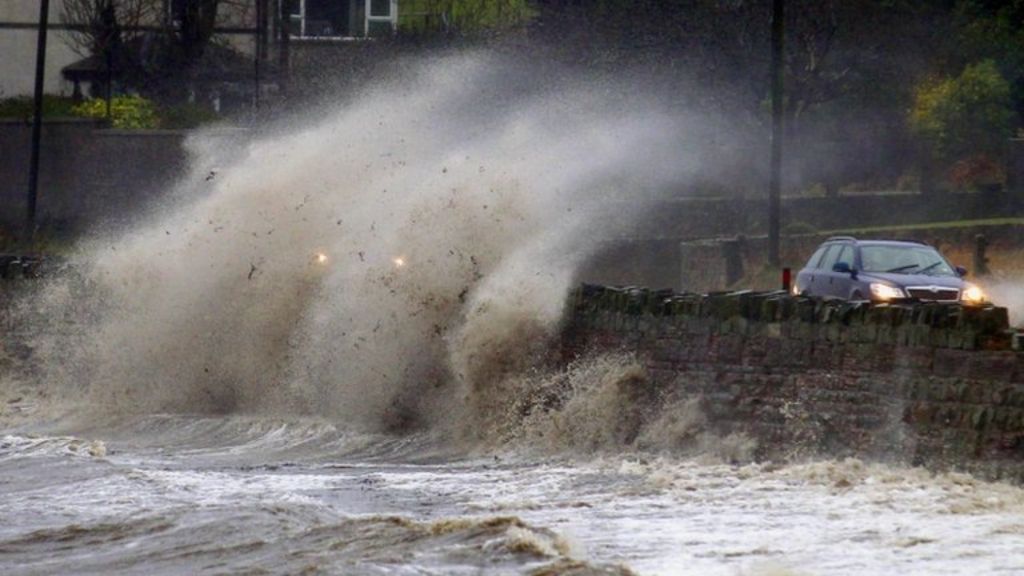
{"x":840,"y":282}
{"x":827,"y":281}
{"x":818,"y":281}
{"x":805,"y":278}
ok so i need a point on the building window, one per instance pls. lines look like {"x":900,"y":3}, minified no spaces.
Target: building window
{"x":176,"y":11}
{"x":325,"y":18}
{"x":342,"y":18}
{"x":380,"y":8}
{"x":381,"y":17}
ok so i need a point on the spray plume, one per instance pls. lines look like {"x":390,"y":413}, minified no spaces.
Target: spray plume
{"x":388,"y":264}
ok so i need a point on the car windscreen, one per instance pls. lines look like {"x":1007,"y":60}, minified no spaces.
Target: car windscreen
{"x":898,"y":259}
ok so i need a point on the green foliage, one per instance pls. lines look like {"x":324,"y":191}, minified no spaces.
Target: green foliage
{"x":420,"y":16}
{"x":965,"y":116}
{"x":132,"y":112}
{"x":21,"y":106}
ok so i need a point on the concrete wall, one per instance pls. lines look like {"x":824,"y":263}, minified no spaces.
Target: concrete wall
{"x":934,"y":385}
{"x":88,"y":175}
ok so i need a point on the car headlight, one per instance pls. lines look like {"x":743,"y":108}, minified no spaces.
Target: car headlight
{"x":972,"y":295}
{"x":885,"y":292}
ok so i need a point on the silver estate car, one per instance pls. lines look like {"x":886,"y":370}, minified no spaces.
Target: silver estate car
{"x":882,"y":271}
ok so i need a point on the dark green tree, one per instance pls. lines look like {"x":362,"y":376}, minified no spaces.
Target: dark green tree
{"x":966,"y":115}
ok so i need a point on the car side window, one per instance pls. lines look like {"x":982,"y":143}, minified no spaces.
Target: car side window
{"x":821,"y":261}
{"x":812,"y":262}
{"x":845,"y":255}
{"x":830,"y":257}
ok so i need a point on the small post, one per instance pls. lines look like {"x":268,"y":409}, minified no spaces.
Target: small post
{"x":980,"y":259}
{"x":37,"y":120}
{"x":787,"y":279}
{"x":732,"y":252}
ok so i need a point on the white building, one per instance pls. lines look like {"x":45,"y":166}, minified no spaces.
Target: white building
{"x":307,"y":21}
{"x":18,"y":24}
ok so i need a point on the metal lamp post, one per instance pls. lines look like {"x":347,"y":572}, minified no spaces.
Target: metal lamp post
{"x":37,"y":119}
{"x":775,"y":179}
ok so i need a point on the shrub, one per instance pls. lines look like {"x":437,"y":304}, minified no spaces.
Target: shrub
{"x":133,"y":112}
{"x":468,"y":16}
{"x":22,"y":106}
{"x":965,"y":116}
{"x":978,"y":172}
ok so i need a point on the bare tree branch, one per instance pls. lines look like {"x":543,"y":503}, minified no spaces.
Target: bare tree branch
{"x":106,"y":22}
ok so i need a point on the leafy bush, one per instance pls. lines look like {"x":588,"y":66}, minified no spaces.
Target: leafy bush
{"x":424,"y":16}
{"x":22,"y":106}
{"x":133,"y":112}
{"x":978,"y":172}
{"x":965,"y":116}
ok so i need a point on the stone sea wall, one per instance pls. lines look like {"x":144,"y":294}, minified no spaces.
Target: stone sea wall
{"x":935,"y":385}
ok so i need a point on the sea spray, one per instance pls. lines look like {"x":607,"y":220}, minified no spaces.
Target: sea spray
{"x":605,"y":403}
{"x":1007,"y":292}
{"x":386,"y":266}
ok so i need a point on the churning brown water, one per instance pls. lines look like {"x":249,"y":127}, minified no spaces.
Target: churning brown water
{"x":331,"y":353}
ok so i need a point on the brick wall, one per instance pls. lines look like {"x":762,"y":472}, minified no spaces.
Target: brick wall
{"x":937,"y":385}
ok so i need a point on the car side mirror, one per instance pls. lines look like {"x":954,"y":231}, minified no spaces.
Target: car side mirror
{"x":842,"y":268}
{"x":961,"y":271}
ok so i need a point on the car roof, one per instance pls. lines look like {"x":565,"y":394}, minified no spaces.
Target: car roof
{"x":876,"y":242}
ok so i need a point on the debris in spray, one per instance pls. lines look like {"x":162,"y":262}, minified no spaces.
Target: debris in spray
{"x":168,"y":324}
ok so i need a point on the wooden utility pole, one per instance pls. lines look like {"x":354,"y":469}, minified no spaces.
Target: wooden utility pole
{"x":775,"y":179}
{"x":37,"y":117}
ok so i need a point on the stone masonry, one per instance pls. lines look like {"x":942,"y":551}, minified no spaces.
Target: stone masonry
{"x":934,"y":385}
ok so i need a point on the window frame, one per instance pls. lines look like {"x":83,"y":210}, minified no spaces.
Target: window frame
{"x":835,"y":247}
{"x":847,"y":248}
{"x":301,"y":17}
{"x":391,"y":19}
